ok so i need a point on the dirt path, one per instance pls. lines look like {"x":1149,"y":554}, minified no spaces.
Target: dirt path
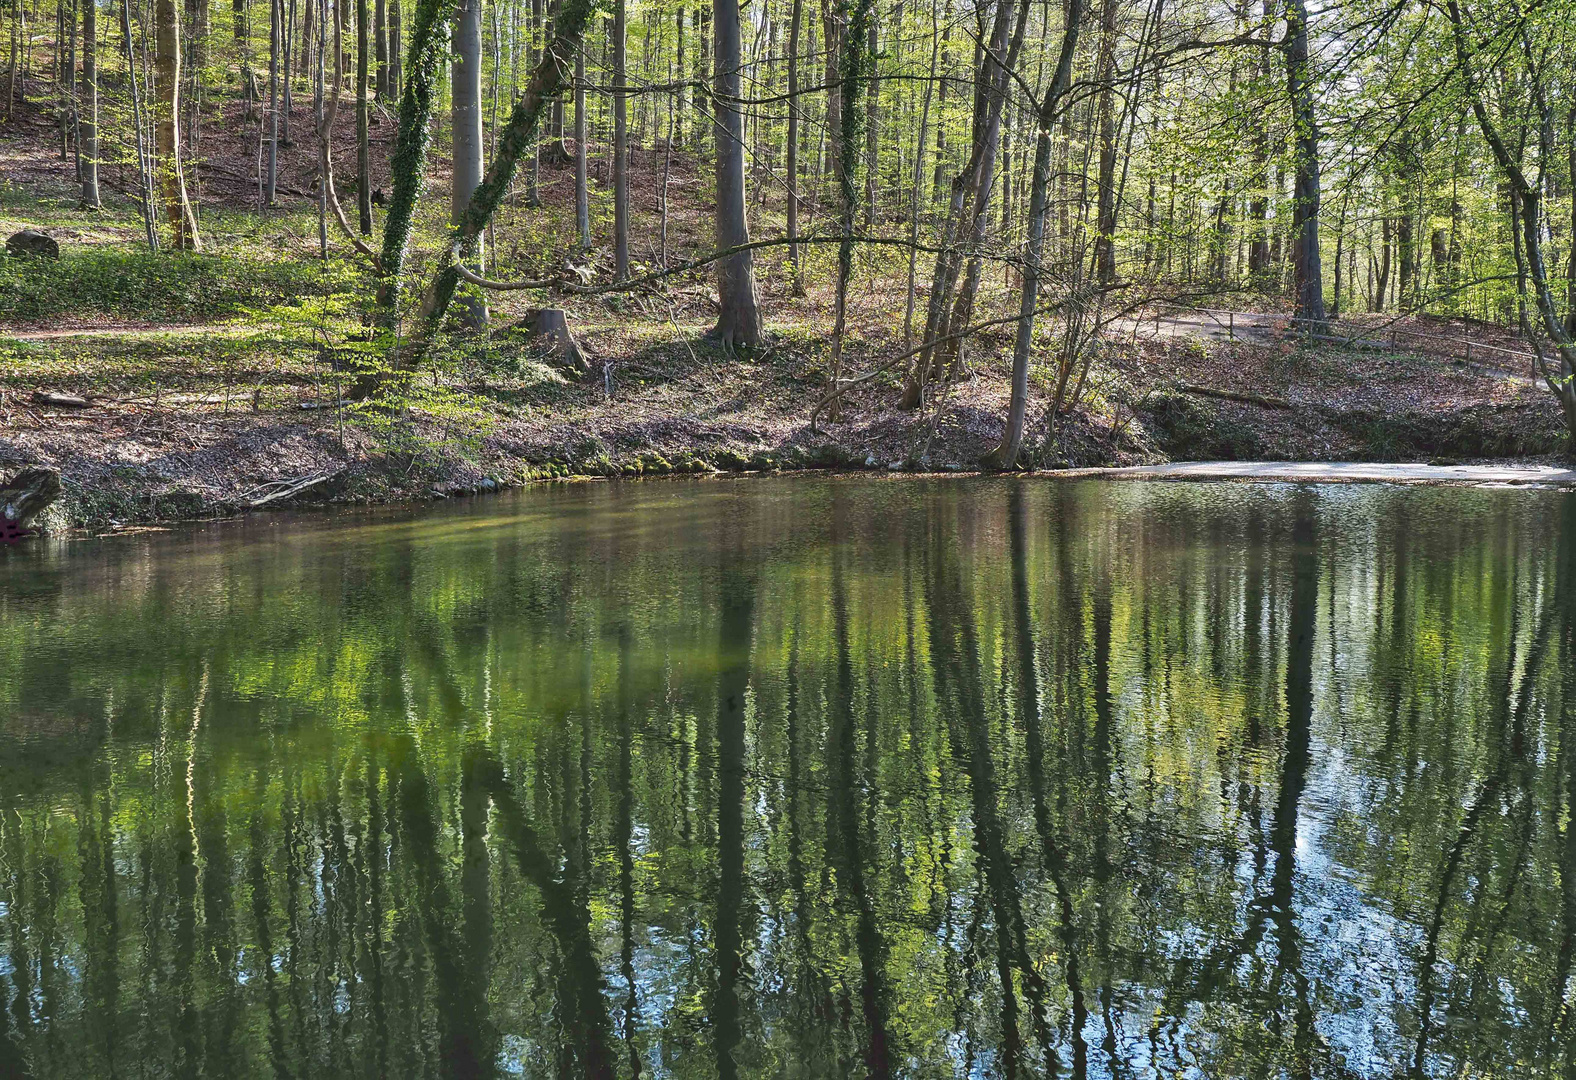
{"x":1211,"y":326}
{"x":1341,"y":472}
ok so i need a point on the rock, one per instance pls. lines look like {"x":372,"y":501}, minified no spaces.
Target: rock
{"x":23,"y":498}
{"x":33,"y":242}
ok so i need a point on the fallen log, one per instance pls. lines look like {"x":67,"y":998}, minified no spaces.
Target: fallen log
{"x":1237,"y":395}
{"x":25,"y":496}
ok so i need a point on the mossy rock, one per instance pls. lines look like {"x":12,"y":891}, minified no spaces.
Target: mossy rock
{"x":730,"y":460}
{"x":652,"y":462}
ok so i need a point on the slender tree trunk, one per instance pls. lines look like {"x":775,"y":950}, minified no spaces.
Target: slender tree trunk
{"x":872,"y":116}
{"x":466,"y":92}
{"x":167,"y":132}
{"x":796,"y":282}
{"x":287,"y":47}
{"x":396,"y":76}
{"x":271,"y":170}
{"x":1005,"y":456}
{"x":380,"y":38}
{"x":363,"y":119}
{"x":738,"y":316}
{"x":582,"y":187}
{"x":319,"y":102}
{"x":88,"y":140}
{"x":919,"y":181}
{"x":243,"y":47}
{"x":1105,"y":198}
{"x":620,"y":147}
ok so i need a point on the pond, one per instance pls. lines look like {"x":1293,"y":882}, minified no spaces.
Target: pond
{"x":799,"y":777}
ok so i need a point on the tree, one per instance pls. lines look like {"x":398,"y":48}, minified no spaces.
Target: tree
{"x":466,"y":75}
{"x":1309,"y":277}
{"x":363,"y":107}
{"x":738,"y":316}
{"x":89,"y":143}
{"x":1005,"y":455}
{"x":167,"y":131}
{"x":620,"y":148}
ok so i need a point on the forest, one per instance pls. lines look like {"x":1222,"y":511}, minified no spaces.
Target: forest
{"x":554,"y":237}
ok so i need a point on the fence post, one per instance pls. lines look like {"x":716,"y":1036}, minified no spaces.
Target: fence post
{"x":1231,"y":326}
{"x":1469,"y":350}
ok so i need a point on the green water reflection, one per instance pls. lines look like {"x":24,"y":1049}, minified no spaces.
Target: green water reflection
{"x":800,"y":778}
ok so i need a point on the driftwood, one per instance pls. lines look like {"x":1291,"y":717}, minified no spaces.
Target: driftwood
{"x":1237,"y":395}
{"x":27,"y":494}
{"x":275,"y":490}
{"x":551,"y":326}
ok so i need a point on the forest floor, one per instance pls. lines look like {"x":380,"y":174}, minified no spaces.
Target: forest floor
{"x":210,"y":384}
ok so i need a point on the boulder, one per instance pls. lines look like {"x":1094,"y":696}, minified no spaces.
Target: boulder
{"x":33,"y":242}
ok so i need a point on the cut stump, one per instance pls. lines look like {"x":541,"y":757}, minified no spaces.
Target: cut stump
{"x":25,"y":496}
{"x":550,"y":326}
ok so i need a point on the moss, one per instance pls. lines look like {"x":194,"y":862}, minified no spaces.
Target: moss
{"x":730,"y":460}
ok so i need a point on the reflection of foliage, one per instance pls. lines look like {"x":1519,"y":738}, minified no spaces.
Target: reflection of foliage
{"x":1006,"y":753}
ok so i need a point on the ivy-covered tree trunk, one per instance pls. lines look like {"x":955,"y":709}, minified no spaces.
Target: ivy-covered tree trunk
{"x":857,"y":63}
{"x":429,"y":36}
{"x":514,"y":141}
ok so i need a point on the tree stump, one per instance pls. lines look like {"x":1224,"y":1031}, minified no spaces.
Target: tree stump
{"x":551,"y":327}
{"x":23,"y":498}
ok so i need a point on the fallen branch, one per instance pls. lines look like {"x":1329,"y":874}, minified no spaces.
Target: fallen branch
{"x":284,"y":489}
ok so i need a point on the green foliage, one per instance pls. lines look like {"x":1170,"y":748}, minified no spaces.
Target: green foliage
{"x":139,"y":285}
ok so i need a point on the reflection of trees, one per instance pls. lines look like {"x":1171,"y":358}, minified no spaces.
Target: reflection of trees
{"x":998,"y":793}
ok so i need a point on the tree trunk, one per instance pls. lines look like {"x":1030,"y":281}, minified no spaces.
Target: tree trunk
{"x":380,"y":38}
{"x":363,"y":118}
{"x":396,"y":76}
{"x":167,"y":132}
{"x":582,"y":187}
{"x":857,"y":62}
{"x":518,"y":135}
{"x":738,"y":317}
{"x":271,"y":169}
{"x":620,"y":147}
{"x":1005,"y":456}
{"x":466,"y":92}
{"x":1105,"y":197}
{"x":429,"y":36}
{"x":796,"y":282}
{"x":88,"y":140}
{"x":1307,"y":272}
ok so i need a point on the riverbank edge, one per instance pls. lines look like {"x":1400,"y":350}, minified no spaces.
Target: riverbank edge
{"x":65,"y":520}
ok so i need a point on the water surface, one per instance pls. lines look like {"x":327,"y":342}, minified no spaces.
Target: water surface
{"x":800,"y":778}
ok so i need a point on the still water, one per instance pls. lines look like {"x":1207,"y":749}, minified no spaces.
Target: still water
{"x":800,"y":778}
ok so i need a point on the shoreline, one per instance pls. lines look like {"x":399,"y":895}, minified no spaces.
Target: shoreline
{"x":1523,"y":475}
